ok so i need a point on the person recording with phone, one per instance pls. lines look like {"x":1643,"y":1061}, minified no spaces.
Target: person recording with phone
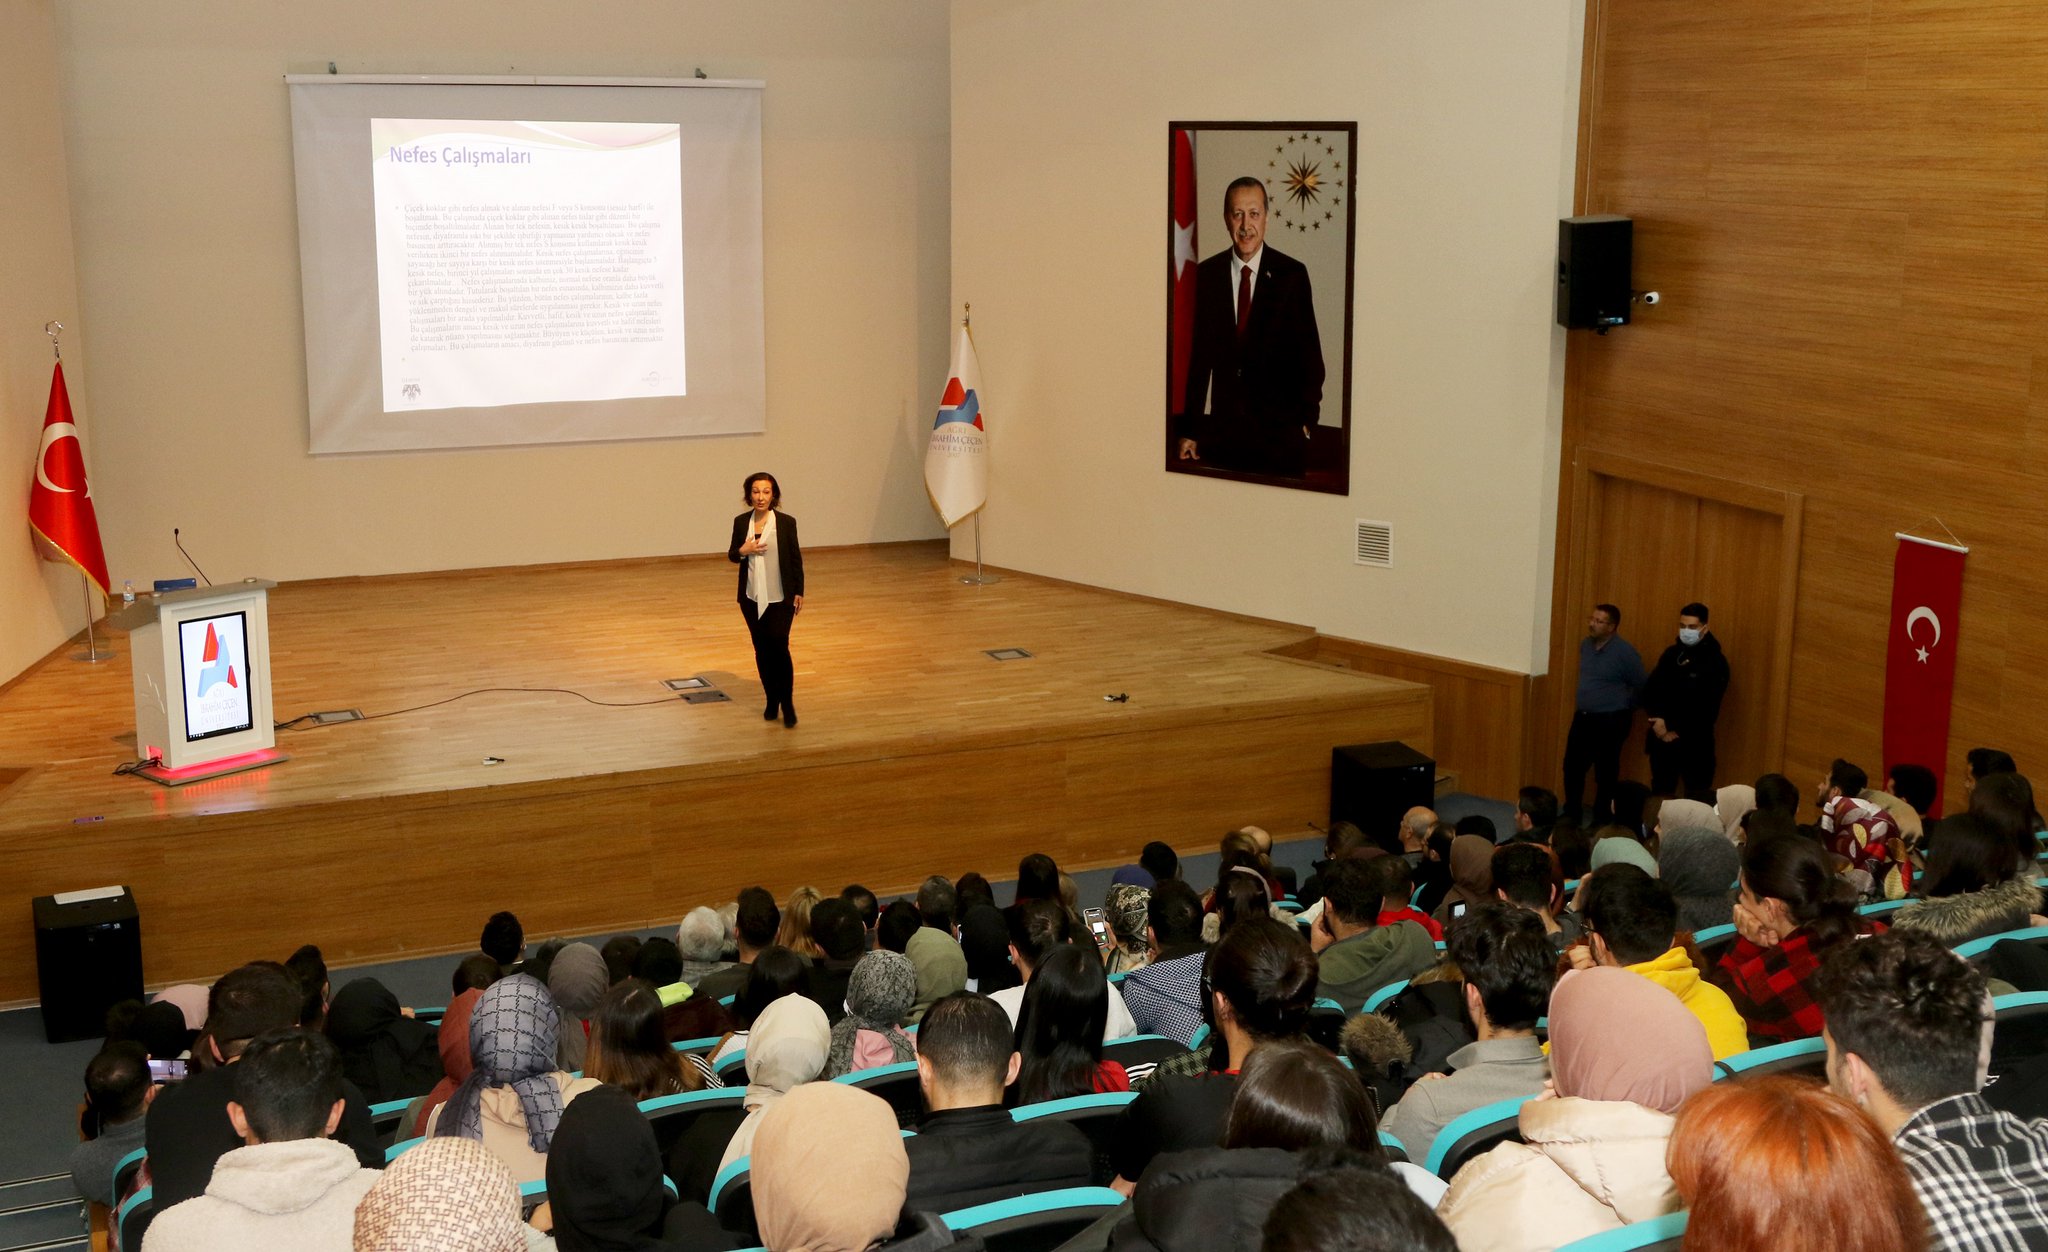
{"x":771,"y":588}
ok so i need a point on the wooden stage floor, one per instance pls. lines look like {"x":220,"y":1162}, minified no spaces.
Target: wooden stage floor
{"x":916,"y":754}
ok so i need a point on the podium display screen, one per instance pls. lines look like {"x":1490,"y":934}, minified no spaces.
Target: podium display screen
{"x":215,"y":655}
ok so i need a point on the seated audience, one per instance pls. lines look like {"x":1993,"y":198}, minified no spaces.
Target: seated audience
{"x":878,"y":997}
{"x":1624,"y":1054}
{"x":1413,"y":834}
{"x":865,"y":906}
{"x":447,"y":1195}
{"x":159,"y":1027}
{"x":1699,"y":867}
{"x":1632,"y":920}
{"x":1038,"y":878}
{"x":700,"y":937}
{"x":629,"y":1050}
{"x":513,"y":1099}
{"x":451,"y":1040}
{"x":1731,"y":804}
{"x":605,"y":1185}
{"x":1127,"y":910}
{"x":1793,"y":908}
{"x":1908,"y":1031}
{"x":1471,"y":877}
{"x":1059,"y":1030}
{"x":1353,"y":1210}
{"x":619,"y":952}
{"x":289,"y":1185}
{"x":118,"y":1092}
{"x":968,"y":1150}
{"x":504,"y":941}
{"x":1528,"y":877}
{"x":1612,"y":847}
{"x":1535,"y":815}
{"x":1984,"y":763}
{"x":1341,"y":841}
{"x":1574,"y":848}
{"x":985,"y":945}
{"x":973,"y":889}
{"x":1262,"y":980}
{"x":795,"y":933}
{"x":1776,"y":793}
{"x":775,"y":973}
{"x":1356,"y":955}
{"x":1777,"y":1164}
{"x":1242,"y":890}
{"x":1397,"y":884}
{"x":755,"y":920}
{"x":898,"y":922}
{"x":384,"y":1052}
{"x":684,"y":1014}
{"x":577,"y":978}
{"x":477,"y":971}
{"x":2005,"y":802}
{"x":1295,"y":1096}
{"x":188,"y":1127}
{"x":1165,"y":997}
{"x":1036,"y":928}
{"x":309,"y":969}
{"x":789,"y":1046}
{"x":1915,"y":786}
{"x":934,"y":951}
{"x":1973,"y":886}
{"x":1863,"y":833}
{"x":1508,"y":966}
{"x":836,"y":929}
{"x":1433,"y":868}
{"x":1160,"y":861}
{"x":829,"y":1174}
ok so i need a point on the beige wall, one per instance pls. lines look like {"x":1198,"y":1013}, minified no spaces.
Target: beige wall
{"x":182,"y":188}
{"x":1467,"y":116}
{"x":39,"y":603}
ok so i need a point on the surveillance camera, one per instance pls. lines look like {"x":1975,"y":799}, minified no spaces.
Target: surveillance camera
{"x":1650,"y":297}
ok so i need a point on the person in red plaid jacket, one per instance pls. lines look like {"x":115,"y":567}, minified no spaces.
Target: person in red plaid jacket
{"x":1863,"y":832}
{"x":1792,"y":910}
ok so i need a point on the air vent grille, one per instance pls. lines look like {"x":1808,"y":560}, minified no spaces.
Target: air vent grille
{"x":1375,"y":543}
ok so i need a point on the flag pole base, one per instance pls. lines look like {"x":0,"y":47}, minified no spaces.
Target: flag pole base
{"x":980,"y":580}
{"x":94,"y":657}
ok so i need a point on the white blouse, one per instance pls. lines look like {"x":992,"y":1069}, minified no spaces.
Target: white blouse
{"x":764,"y":569}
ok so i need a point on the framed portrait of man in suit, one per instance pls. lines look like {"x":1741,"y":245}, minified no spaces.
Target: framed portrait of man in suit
{"x":1258,"y":280}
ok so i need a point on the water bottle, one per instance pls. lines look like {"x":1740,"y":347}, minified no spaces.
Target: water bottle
{"x":127,"y":591}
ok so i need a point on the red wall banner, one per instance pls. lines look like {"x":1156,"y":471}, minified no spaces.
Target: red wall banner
{"x":1920,"y":658}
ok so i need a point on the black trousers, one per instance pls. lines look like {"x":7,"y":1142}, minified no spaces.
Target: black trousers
{"x":770,"y":629}
{"x":1594,"y":743}
{"x":1689,"y":760}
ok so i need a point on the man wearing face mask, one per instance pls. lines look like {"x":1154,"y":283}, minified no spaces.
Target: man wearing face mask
{"x":1683,"y":701}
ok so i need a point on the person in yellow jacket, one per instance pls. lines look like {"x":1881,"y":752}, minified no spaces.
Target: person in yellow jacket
{"x":1632,"y":920}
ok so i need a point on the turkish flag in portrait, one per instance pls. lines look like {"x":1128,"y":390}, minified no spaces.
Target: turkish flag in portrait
{"x":1920,"y":659}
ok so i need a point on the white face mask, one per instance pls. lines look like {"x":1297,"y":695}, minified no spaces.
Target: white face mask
{"x":1688,"y":635}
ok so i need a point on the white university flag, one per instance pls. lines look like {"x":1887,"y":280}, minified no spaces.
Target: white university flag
{"x":956,"y":459}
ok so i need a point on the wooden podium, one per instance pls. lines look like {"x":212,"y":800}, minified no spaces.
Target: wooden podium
{"x":201,"y":669}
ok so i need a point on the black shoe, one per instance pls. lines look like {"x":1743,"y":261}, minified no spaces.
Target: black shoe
{"x":788,"y":713}
{"x":768,"y":715}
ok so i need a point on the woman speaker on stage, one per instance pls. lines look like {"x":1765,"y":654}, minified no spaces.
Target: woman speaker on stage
{"x":771,"y":565}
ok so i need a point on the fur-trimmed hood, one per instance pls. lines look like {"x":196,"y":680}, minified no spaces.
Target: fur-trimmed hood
{"x":1973,"y":914}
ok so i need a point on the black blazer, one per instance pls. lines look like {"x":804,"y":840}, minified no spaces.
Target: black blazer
{"x":1274,"y":376}
{"x":789,"y":554}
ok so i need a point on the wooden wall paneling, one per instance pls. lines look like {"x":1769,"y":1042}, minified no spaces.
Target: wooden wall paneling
{"x":1737,"y":576}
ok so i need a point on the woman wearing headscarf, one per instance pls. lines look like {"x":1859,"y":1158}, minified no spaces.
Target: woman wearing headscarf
{"x":1624,"y":1054}
{"x":1623,"y":850}
{"x":1471,"y":876}
{"x":577,"y":979}
{"x":604,"y":1183}
{"x":786,"y":1049}
{"x":1126,"y":908}
{"x":1732,"y":803}
{"x":985,"y":942}
{"x":453,"y":1039}
{"x":191,"y":1000}
{"x":830,"y":1174}
{"x":878,"y":995}
{"x":449,"y":1195}
{"x":384,"y":1052}
{"x":513,"y":1100}
{"x":1699,"y":866}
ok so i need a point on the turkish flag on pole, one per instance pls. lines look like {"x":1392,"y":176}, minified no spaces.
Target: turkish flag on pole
{"x":59,"y":503}
{"x":1181,"y":273}
{"x":1920,"y":659}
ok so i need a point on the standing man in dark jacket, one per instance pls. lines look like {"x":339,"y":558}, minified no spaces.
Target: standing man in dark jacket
{"x":1683,"y":700}
{"x":1610,"y":678}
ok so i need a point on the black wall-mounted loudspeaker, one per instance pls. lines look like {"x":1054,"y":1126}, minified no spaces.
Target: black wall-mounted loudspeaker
{"x":1593,"y":282}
